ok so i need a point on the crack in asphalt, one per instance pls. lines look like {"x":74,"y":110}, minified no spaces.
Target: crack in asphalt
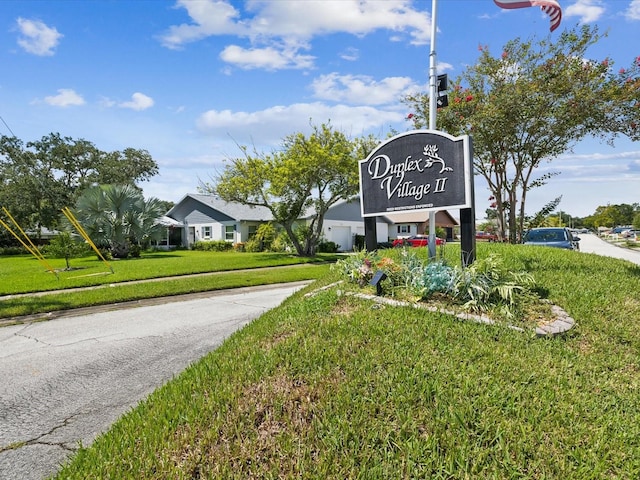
{"x":35,"y":339}
{"x":37,"y":440}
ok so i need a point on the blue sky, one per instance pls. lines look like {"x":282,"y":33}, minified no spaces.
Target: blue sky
{"x":189,"y":80}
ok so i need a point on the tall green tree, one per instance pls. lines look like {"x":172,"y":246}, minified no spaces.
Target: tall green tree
{"x":39,"y":178}
{"x":529,"y":104}
{"x":309,"y":174}
{"x":613,"y":215}
{"x":28,"y":186}
{"x":118,"y":217}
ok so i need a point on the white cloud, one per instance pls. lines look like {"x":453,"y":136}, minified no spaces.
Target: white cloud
{"x":270,"y":126}
{"x":443,"y":67}
{"x":211,"y":17}
{"x":350,"y":54}
{"x":304,"y":20}
{"x":280,"y":29}
{"x":66,"y":97}
{"x":37,"y":38}
{"x":139,"y":101}
{"x":595,"y":167}
{"x":589,"y":11}
{"x":361,"y":89}
{"x":633,"y":12}
{"x":268,"y":58}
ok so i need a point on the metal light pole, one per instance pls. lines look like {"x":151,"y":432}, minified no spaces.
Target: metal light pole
{"x":433,"y":93}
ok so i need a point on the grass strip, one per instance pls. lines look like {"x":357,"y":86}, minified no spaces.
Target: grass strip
{"x":124,"y":292}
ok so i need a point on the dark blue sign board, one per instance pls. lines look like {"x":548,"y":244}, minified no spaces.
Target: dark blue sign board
{"x":420,"y":170}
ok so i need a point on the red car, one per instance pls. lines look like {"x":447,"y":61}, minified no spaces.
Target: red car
{"x":416,"y":241}
{"x":492,"y":237}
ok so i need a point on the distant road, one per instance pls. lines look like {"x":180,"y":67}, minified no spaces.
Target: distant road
{"x":591,"y":243}
{"x":67,"y":380}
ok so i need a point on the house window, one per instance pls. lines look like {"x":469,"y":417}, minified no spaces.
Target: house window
{"x":229,"y":231}
{"x":253,"y":229}
{"x":404,"y":229}
{"x":206,"y":232}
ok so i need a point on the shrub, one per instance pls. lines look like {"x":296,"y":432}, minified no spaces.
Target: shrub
{"x":357,"y":267}
{"x":328,"y":247}
{"x":282,"y":243}
{"x":13,"y":250}
{"x":135,"y":250}
{"x":67,"y":247}
{"x":489,"y":282}
{"x":253,"y":245}
{"x":265,"y":236}
{"x":212,"y":246}
{"x":435,"y":277}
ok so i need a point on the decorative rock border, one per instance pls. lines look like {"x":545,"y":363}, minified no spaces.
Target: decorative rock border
{"x":562,"y":324}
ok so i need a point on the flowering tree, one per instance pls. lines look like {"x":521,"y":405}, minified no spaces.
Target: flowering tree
{"x":530,"y":104}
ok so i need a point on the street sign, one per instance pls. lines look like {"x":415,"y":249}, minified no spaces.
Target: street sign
{"x":442,"y":82}
{"x":442,"y":101}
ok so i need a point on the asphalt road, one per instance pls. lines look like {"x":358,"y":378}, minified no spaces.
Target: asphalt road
{"x":65,"y":381}
{"x":591,"y":243}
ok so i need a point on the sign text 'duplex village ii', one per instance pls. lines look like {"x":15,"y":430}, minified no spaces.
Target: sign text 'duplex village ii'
{"x":393,"y":177}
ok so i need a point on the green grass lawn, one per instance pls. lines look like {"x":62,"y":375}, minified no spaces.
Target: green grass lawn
{"x":330,"y":386}
{"x":24,"y":273}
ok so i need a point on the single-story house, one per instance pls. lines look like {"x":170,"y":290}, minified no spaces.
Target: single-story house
{"x":406,"y":224}
{"x":207,"y":217}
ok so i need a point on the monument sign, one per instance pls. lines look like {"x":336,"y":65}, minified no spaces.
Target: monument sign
{"x":420,"y":170}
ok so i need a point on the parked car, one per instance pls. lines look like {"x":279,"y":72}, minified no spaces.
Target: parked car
{"x":620,"y":229}
{"x":558,"y":237}
{"x":491,"y":237}
{"x":415,"y":241}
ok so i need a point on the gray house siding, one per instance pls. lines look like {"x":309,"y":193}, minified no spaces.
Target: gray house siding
{"x":347,"y":211}
{"x":207,"y":218}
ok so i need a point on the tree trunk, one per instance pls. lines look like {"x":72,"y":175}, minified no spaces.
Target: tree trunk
{"x":294,"y":240}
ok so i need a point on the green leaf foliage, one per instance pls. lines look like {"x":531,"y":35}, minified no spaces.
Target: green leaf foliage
{"x":302,"y":180}
{"x":530,"y":103}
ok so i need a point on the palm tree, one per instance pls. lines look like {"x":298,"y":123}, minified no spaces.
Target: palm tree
{"x":117,"y":217}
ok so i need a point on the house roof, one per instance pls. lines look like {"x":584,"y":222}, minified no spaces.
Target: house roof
{"x":237,"y":211}
{"x":168,"y":222}
{"x":240,"y":212}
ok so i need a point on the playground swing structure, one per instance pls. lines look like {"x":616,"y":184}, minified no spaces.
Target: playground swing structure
{"x":28,"y":244}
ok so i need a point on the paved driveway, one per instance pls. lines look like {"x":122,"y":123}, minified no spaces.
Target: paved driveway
{"x":65,"y":381}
